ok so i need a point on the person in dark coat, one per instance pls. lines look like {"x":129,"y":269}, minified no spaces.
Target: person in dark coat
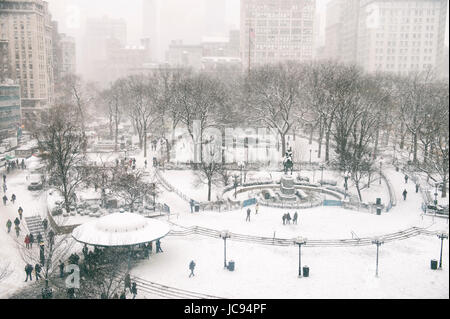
{"x":28,"y":271}
{"x":45,"y":223}
{"x":294,"y":221}
{"x":61,"y":269}
{"x":417,"y":188}
{"x":51,"y":237}
{"x":20,"y":211}
{"x":284,"y":219}
{"x":248,"y":215}
{"x":37,"y":271}
{"x":134,"y":289}
{"x":39,"y":238}
{"x":8,"y":225}
{"x":85,"y":251}
{"x":288,"y":218}
{"x":31,"y":240}
{"x":404,"y":194}
{"x":5,"y":199}
{"x":17,"y":228}
{"x":158,"y":247}
{"x":406,"y":179}
{"x":192,"y":267}
{"x":127,"y":281}
{"x":13,"y":198}
{"x":16,"y":221}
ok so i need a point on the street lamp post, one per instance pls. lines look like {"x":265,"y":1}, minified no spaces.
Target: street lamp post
{"x":436,"y":193}
{"x":377,"y":242}
{"x":300,"y":241}
{"x":442,"y":236}
{"x":346,"y":177}
{"x":225,"y":235}
{"x":310,"y":154}
{"x":241,"y":167}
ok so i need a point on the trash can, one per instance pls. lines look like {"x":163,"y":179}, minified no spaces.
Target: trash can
{"x":378,"y":210}
{"x":434,"y":264}
{"x":306,"y":271}
{"x":197,"y":208}
{"x":231,"y":265}
{"x":378,"y":201}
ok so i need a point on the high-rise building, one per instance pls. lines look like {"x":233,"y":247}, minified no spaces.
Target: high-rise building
{"x":68,"y":54}
{"x":10,"y":113}
{"x":182,"y":55}
{"x":151,"y":25}
{"x":97,"y":34}
{"x":397,"y":36}
{"x":4,"y":60}
{"x":26,"y":24}
{"x":276,"y":30}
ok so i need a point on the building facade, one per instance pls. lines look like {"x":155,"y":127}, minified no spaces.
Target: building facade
{"x":276,"y":30}
{"x":181,"y":55}
{"x":26,"y":25}
{"x":4,"y":60}
{"x":395,"y":36}
{"x":10,"y":110}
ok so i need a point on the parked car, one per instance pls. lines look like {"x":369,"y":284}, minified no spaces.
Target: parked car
{"x":35,"y":183}
{"x":438,"y":209}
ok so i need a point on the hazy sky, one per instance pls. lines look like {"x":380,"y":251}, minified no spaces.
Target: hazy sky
{"x":71,"y":13}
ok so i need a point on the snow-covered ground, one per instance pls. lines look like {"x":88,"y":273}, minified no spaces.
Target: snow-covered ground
{"x":271,"y":271}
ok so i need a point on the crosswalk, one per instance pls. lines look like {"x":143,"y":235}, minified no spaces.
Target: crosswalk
{"x":34,"y":225}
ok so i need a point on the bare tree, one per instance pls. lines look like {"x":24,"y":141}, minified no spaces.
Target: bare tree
{"x":62,"y":143}
{"x":130,"y":186}
{"x":5,"y":271}
{"x":275,"y":97}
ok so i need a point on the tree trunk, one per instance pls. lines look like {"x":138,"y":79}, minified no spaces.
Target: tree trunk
{"x":327,"y":145}
{"x":319,"y":155}
{"x":209,"y":189}
{"x":116,"y":136}
{"x":145,"y":141}
{"x":415,"y":148}
{"x":402,"y":136}
{"x":311,"y":134}
{"x":359,"y":191}
{"x":375,"y":150}
{"x":283,"y":143}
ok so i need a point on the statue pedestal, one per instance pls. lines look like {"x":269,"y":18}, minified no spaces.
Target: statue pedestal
{"x":287,"y":188}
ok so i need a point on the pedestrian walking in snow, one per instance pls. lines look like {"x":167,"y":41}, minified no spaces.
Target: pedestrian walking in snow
{"x":8,"y":225}
{"x":134,"y":289}
{"x":51,"y":237}
{"x":404,"y":194}
{"x":256,"y":208}
{"x":127,"y":282}
{"x":284,"y":219}
{"x":20,"y":210}
{"x":13,"y":198}
{"x":406,"y":179}
{"x":39,"y":238}
{"x":31,"y":240}
{"x":294,"y":221}
{"x":45,"y":223}
{"x":417,"y":188}
{"x":192,"y":267}
{"x":16,"y":221}
{"x":28,"y":271}
{"x":4,"y":188}
{"x":288,"y":218}
{"x":4,"y":179}
{"x":17,"y":230}
{"x":61,"y":269}
{"x":5,"y":199}
{"x":158,"y":247}
{"x":27,"y":241}
{"x":37,"y":271}
{"x":145,"y":163}
{"x":248,"y":215}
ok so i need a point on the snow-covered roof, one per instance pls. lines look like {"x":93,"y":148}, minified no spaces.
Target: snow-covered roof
{"x":120,"y":229}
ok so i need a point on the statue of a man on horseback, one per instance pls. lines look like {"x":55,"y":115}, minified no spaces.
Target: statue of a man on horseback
{"x":288,"y":161}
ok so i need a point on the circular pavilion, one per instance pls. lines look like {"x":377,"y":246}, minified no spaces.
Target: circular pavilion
{"x":120,"y":230}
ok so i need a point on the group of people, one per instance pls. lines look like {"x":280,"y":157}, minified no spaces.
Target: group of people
{"x":249,"y":211}
{"x":12,"y":165}
{"x":29,"y":270}
{"x":287,"y":218}
{"x":5,"y":198}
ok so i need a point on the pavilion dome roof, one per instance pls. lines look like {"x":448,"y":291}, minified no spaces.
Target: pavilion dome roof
{"x":120,"y":229}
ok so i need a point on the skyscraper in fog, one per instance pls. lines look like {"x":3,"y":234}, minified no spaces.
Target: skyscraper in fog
{"x":398,"y":36}
{"x":26,"y":27}
{"x":276,"y":30}
{"x":97,"y":35}
{"x":150,"y":24}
